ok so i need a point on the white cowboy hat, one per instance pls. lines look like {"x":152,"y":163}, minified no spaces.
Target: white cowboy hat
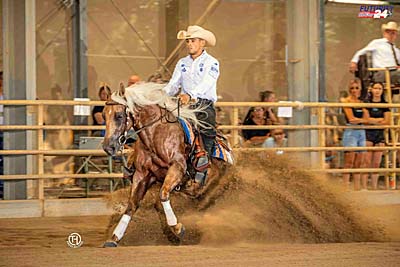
{"x":391,"y":25}
{"x":197,"y":32}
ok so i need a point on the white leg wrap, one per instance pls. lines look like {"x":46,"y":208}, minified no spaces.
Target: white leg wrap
{"x":169,"y":213}
{"x":121,"y":227}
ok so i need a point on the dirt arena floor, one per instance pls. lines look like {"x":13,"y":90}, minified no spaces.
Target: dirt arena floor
{"x":266,"y":211}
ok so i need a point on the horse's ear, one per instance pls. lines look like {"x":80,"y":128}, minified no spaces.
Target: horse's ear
{"x":121,"y":91}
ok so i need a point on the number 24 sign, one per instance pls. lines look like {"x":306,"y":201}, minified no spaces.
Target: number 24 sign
{"x":379,"y":14}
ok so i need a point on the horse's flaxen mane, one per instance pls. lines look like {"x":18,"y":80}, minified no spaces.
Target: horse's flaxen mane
{"x":143,"y":94}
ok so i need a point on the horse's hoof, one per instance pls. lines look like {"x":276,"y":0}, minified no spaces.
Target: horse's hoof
{"x":179,"y":230}
{"x":110,"y":244}
{"x":182,"y":233}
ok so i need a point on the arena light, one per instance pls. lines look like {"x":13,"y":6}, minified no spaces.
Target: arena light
{"x":359,"y":2}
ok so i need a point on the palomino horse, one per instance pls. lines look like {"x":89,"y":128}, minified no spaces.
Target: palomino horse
{"x":160,"y":153}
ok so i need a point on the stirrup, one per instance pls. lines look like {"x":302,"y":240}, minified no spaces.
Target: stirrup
{"x":200,"y":177}
{"x":202,"y":162}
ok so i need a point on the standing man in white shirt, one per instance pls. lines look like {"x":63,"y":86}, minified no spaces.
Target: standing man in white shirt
{"x":384,"y":53}
{"x":197,"y":75}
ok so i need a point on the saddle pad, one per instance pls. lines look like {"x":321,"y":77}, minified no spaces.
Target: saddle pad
{"x":188,"y":130}
{"x":221,"y":152}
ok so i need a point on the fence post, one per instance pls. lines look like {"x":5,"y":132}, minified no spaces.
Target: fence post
{"x":390,"y":179}
{"x":40,"y":163}
{"x":235,"y":132}
{"x":322,"y":136}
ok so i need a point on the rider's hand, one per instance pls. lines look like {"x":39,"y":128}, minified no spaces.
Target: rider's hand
{"x":353,"y":67}
{"x":185,"y":98}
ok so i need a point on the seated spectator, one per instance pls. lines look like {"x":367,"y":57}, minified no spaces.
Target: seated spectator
{"x":375,"y":137}
{"x":354,"y":137}
{"x":269,"y":96}
{"x":97,"y":112}
{"x":277,"y":139}
{"x":133,"y":79}
{"x":255,"y":116}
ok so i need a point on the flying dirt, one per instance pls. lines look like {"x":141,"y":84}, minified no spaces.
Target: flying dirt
{"x":264,"y":198}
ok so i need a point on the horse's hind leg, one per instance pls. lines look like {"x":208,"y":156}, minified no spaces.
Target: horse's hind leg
{"x":138,"y":190}
{"x":173,"y":178}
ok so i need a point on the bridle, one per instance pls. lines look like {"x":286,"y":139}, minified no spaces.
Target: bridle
{"x":130,"y":119}
{"x":122,"y":138}
{"x":130,"y":122}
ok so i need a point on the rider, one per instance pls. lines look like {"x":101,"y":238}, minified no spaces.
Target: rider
{"x":197,"y":75}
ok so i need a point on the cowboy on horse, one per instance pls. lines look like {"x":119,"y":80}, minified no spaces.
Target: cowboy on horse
{"x":197,"y":75}
{"x":165,"y":144}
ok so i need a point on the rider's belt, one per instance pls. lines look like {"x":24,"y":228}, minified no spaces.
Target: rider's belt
{"x":204,"y":101}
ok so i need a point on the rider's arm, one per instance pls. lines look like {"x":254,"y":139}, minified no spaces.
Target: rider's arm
{"x":370,"y":47}
{"x":172,"y":87}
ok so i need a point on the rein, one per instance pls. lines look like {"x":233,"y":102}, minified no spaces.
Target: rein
{"x":159,"y":119}
{"x":122,"y":139}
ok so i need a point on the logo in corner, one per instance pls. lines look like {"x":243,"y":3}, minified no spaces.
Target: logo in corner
{"x":74,"y":240}
{"x":375,"y":11}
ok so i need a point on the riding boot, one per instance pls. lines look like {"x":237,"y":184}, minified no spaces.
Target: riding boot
{"x":208,"y":143}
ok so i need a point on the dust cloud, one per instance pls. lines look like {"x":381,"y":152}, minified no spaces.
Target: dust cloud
{"x":264,"y":198}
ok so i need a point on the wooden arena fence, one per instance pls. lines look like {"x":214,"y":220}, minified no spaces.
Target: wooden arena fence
{"x":37,"y":107}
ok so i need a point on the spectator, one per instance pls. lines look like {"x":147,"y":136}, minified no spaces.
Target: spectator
{"x":332,"y":137}
{"x":384,"y":53}
{"x":133,"y":79}
{"x":277,"y":139}
{"x":269,"y":96}
{"x":97,"y":112}
{"x":375,"y":137}
{"x":354,"y":137}
{"x":255,"y":116}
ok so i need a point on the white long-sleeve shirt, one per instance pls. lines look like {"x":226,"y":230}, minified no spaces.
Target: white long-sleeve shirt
{"x":382,"y":54}
{"x":198,"y":78}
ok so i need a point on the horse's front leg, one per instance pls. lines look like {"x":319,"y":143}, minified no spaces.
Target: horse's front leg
{"x":172,"y":179}
{"x":139,"y":188}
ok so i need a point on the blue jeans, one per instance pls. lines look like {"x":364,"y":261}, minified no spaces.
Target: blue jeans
{"x":354,"y":137}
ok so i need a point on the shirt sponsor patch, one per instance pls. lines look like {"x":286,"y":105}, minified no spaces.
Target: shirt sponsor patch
{"x":213,"y":72}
